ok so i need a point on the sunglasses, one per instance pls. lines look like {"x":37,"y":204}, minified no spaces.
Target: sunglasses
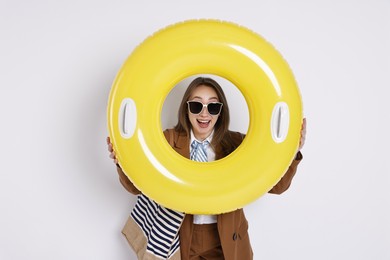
{"x":195,"y":107}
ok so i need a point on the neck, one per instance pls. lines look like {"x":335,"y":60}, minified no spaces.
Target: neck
{"x":201,"y":137}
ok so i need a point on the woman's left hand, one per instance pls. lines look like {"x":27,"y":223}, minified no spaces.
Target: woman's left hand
{"x":303,"y":134}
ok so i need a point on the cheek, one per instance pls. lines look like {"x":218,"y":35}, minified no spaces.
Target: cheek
{"x":191,"y":118}
{"x":215,"y":119}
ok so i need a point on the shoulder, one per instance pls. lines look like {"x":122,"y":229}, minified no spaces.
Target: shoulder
{"x":174,"y":137}
{"x":171,"y":132}
{"x":236,"y":136}
{"x":167,"y":132}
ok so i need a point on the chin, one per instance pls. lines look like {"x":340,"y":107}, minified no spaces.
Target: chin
{"x":203,"y":131}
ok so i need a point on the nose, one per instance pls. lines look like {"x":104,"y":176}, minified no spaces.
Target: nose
{"x":204,"y":111}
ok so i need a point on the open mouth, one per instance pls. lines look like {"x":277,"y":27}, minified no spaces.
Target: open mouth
{"x":203,"y":123}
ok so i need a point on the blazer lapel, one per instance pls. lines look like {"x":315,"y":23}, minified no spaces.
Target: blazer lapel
{"x":182,"y":145}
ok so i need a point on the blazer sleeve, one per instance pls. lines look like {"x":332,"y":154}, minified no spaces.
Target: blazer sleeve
{"x":126,"y":183}
{"x":286,"y":180}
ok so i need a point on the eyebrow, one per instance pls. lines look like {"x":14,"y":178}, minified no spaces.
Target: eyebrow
{"x":209,"y":98}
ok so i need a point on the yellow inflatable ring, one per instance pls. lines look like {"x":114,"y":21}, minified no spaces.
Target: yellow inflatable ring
{"x":205,"y":47}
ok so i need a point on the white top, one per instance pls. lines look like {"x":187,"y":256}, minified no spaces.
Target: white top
{"x":205,"y":219}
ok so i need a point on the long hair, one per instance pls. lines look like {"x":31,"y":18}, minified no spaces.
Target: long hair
{"x":222,"y":142}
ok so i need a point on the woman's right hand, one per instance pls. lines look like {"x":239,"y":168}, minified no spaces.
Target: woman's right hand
{"x":111,"y":150}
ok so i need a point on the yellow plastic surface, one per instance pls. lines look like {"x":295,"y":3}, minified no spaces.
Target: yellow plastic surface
{"x":204,"y":47}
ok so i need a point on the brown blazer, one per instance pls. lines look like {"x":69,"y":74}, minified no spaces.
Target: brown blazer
{"x":232,"y":226}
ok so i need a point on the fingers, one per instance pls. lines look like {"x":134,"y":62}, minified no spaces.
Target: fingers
{"x":303,"y":134}
{"x":111,"y":150}
{"x":112,"y":155}
{"x":110,"y":147}
{"x":303,"y":129}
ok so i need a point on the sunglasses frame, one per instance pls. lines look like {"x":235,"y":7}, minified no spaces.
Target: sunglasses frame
{"x":204,"y":106}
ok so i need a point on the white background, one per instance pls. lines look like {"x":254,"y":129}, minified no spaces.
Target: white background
{"x":59,"y":193}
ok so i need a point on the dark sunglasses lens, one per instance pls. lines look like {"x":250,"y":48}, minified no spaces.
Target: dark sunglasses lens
{"x":195,"y":107}
{"x":214,"y":108}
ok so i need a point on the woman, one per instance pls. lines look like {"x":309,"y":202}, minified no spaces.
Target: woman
{"x":203,"y":119}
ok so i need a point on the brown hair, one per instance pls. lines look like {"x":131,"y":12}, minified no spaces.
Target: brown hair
{"x":222,"y":141}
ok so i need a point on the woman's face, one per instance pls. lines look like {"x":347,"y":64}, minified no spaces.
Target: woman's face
{"x":203,"y":123}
